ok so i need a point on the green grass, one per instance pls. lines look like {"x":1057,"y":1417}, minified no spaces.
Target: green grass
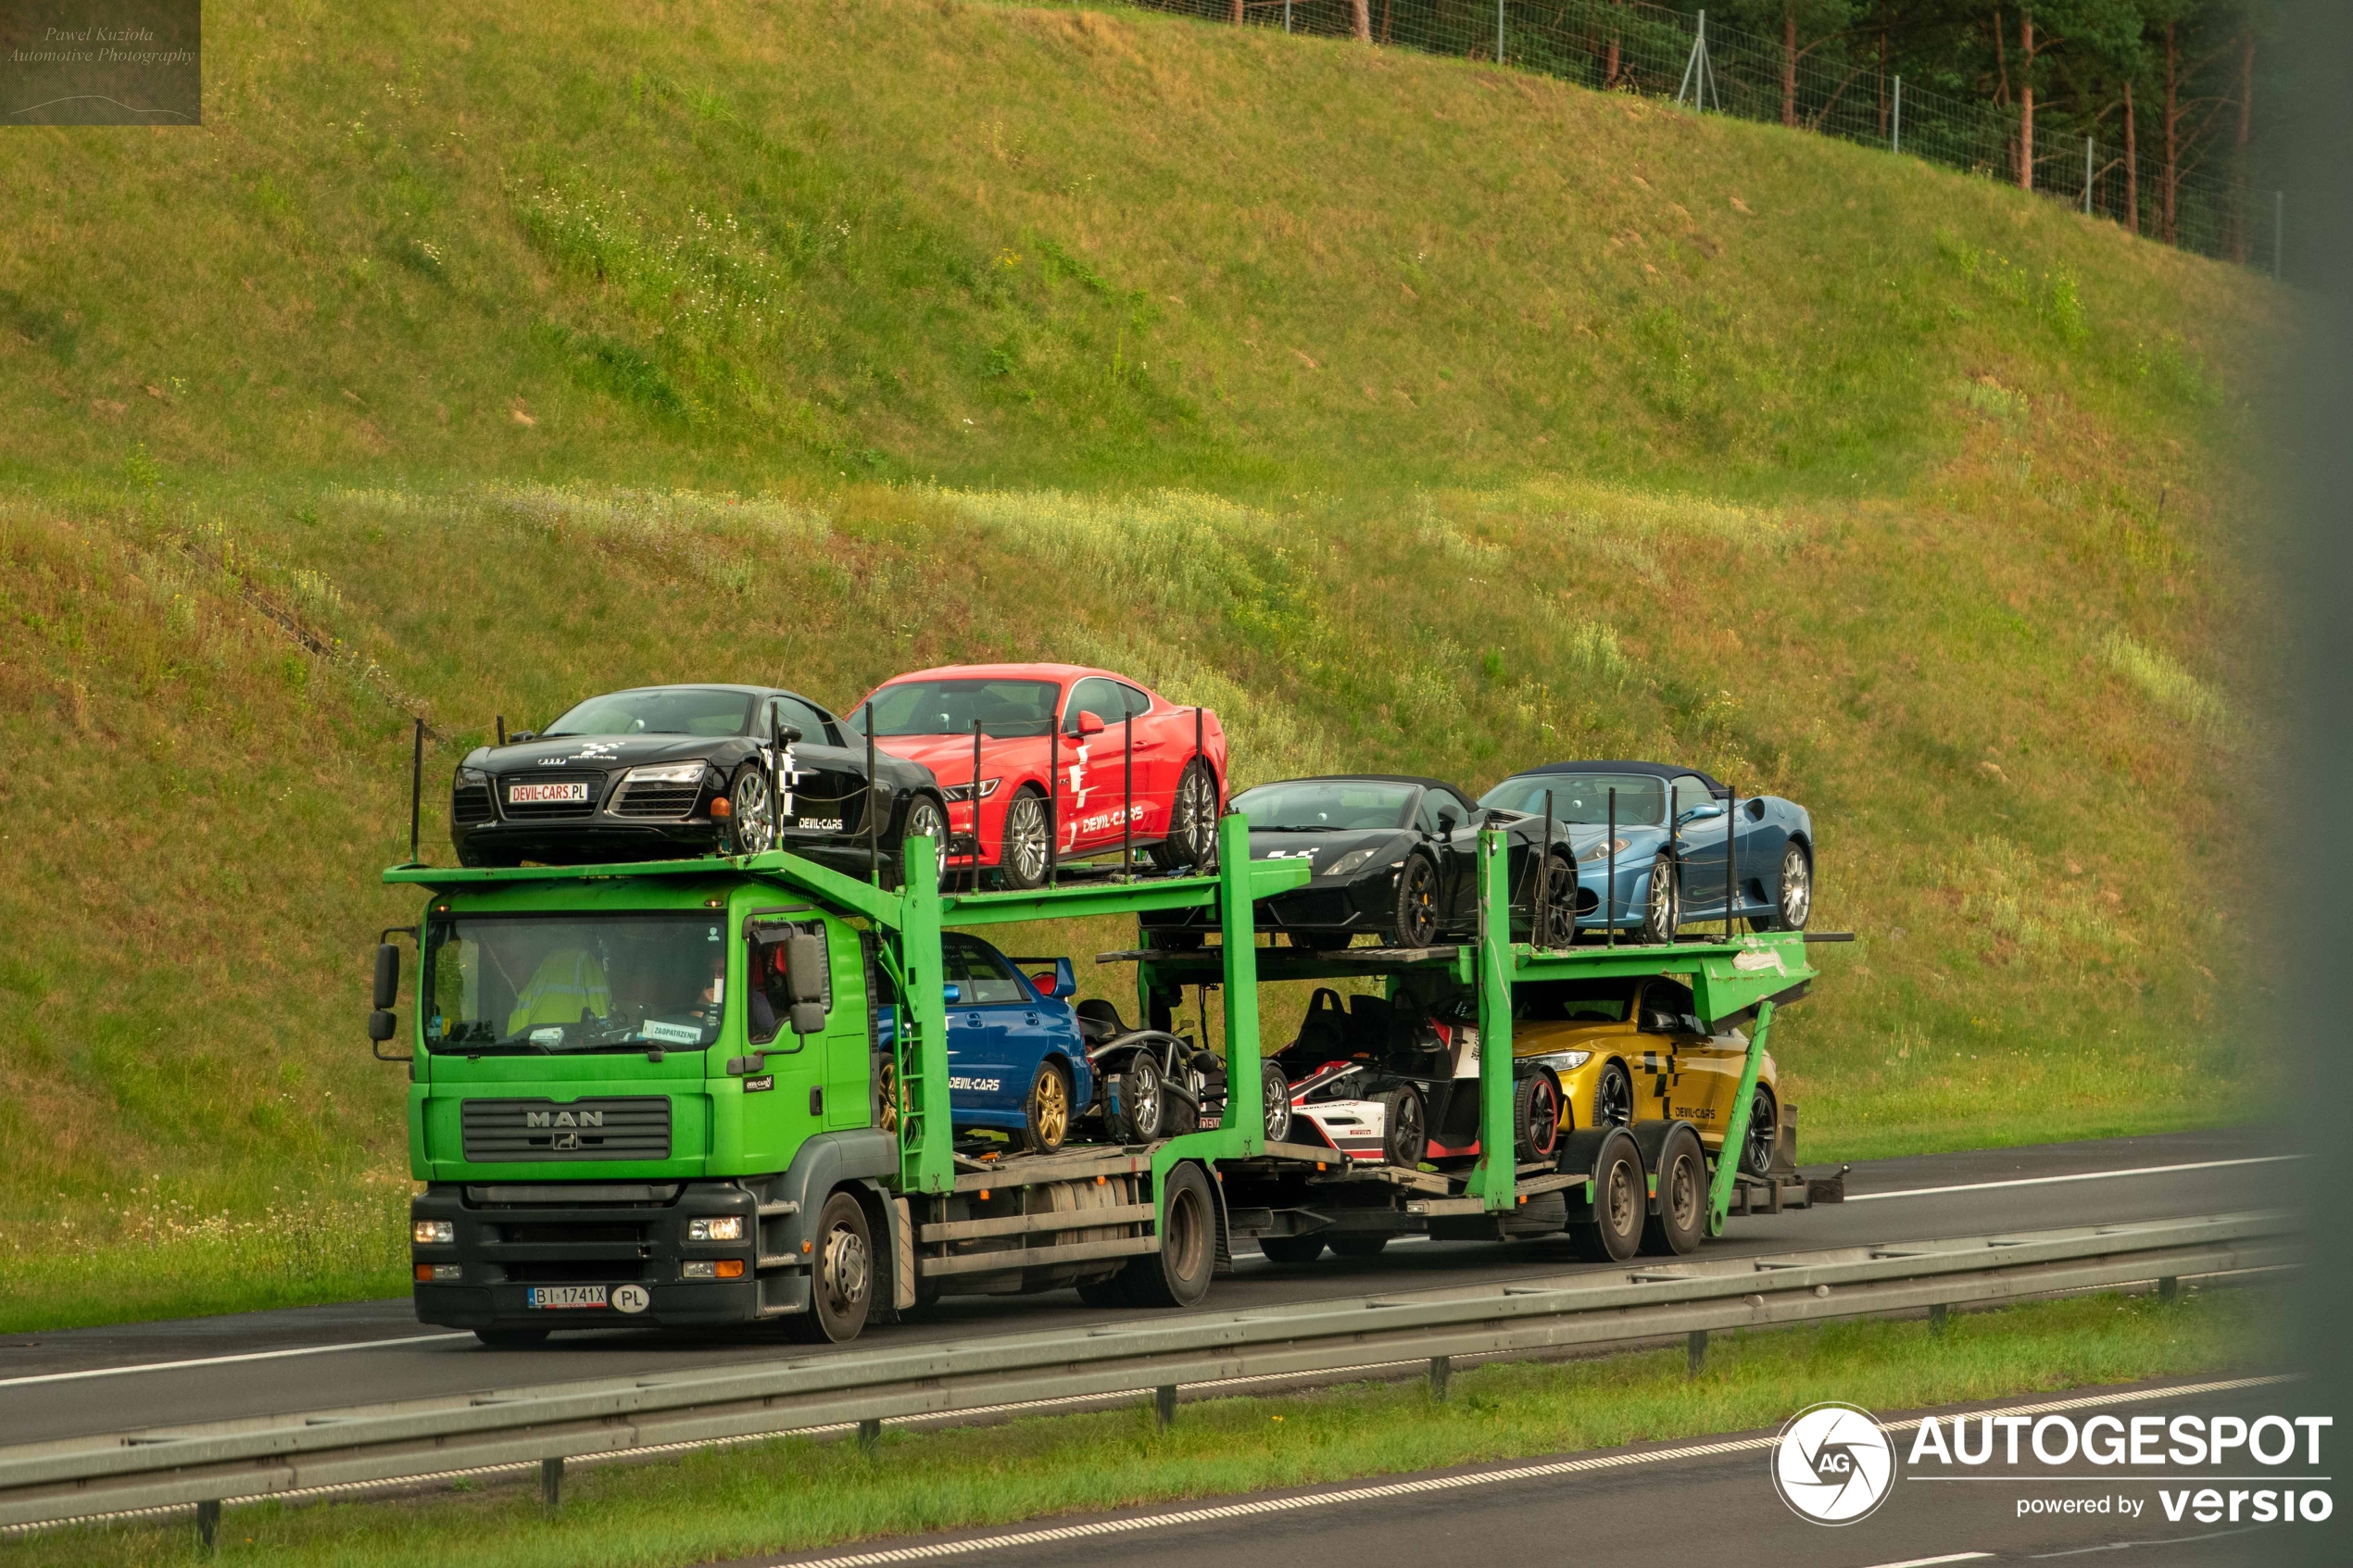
{"x":1413,"y":414}
{"x":796,"y":1494}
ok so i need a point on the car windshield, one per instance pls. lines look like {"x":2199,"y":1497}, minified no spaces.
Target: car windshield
{"x":1328,"y":805}
{"x":1004,"y":708}
{"x":1573,"y":1001}
{"x":658,"y":710}
{"x":555,"y":984}
{"x":1584,"y":798}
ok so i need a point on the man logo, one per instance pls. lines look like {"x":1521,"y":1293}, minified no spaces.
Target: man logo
{"x":1833,"y":1464}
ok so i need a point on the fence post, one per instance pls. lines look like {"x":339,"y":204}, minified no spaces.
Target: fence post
{"x":2279,"y":230}
{"x":1695,"y":69}
{"x":1897,"y":143}
{"x":1499,"y":31}
{"x":1286,"y":16}
{"x":2087,"y":177}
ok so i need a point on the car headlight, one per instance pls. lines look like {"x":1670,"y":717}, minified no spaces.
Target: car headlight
{"x":1600,"y":847}
{"x":471,"y":776}
{"x":723,"y":1227}
{"x":1353,"y":860}
{"x":433,"y":1233}
{"x":674,"y":772}
{"x":1566,"y":1061}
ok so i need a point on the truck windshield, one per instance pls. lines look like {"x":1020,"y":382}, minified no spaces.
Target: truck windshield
{"x":658,"y":710}
{"x":550,"y":983}
{"x":1584,"y":798}
{"x":1004,"y":708}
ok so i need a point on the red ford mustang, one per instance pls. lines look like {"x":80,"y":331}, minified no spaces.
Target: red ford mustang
{"x":1126,"y":753}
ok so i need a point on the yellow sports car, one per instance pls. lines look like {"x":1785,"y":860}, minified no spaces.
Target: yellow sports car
{"x":1634,"y":1050}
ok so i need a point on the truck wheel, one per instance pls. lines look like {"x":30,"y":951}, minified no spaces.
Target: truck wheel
{"x":1291,"y":1249}
{"x":1764,"y":1132}
{"x":1141,"y":1101}
{"x":1358,"y":1245}
{"x":1275,"y":1089}
{"x":1046,"y":1112}
{"x":1021,"y":857}
{"x":1535,"y":1114}
{"x":1613,"y":1231}
{"x":1404,"y":1129}
{"x":512,"y":1338}
{"x":1681,"y":1220}
{"x":1663,"y":905}
{"x":1178,"y":1276}
{"x":841,"y":1276}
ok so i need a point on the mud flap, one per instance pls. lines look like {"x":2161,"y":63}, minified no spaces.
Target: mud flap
{"x":902,"y":1251}
{"x":1580,"y":1156}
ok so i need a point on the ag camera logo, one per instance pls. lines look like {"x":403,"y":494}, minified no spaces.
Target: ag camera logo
{"x":1832,"y":1463}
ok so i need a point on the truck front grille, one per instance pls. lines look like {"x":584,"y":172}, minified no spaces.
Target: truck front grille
{"x":664,"y":801}
{"x":632,"y":1127}
{"x":552,"y":810}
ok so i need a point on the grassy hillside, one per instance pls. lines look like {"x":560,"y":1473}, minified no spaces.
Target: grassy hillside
{"x":1415,"y":415}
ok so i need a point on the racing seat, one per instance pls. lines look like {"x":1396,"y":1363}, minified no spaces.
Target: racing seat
{"x":1099,"y":1021}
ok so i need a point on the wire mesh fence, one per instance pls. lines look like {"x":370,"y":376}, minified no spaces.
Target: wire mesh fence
{"x":1839,"y":87}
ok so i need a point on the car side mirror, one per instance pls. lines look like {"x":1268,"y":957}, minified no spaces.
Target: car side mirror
{"x":1658,"y":1021}
{"x":788,"y":733}
{"x":951,"y":993}
{"x":805,"y":971}
{"x":1692,"y":1026}
{"x":518,"y":736}
{"x":387,"y":976}
{"x":1704,"y":813}
{"x":1088,"y":724}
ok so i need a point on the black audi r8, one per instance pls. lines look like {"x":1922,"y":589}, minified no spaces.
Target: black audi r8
{"x":656,"y":773}
{"x":1393,"y":855}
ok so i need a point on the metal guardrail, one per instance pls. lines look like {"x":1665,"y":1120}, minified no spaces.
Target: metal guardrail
{"x":259,"y":1457}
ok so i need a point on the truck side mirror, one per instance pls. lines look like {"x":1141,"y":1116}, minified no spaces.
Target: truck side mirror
{"x":382,"y":1026}
{"x":387,"y":976}
{"x":805,"y":971}
{"x":807,"y":1018}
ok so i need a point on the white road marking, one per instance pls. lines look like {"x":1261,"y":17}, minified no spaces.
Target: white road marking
{"x":1931,"y":1561}
{"x":2080,"y":1176}
{"x":224,"y":1360}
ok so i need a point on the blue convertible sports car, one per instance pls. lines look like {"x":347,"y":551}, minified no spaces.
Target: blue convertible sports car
{"x":1671,"y":833}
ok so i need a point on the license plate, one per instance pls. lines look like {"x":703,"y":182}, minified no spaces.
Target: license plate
{"x":536,"y":793}
{"x":554,"y":1298}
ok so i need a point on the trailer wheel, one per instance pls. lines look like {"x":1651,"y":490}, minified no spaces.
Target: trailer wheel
{"x":1291,"y":1249}
{"x":841,"y":1276}
{"x":1614,"y":1232}
{"x":1681,"y":1220}
{"x":1275,"y":1089}
{"x":1764,"y":1131}
{"x":1405,"y":1127}
{"x":1535,"y":1114}
{"x":1663,"y":905}
{"x":512,"y":1338}
{"x":1178,"y":1276}
{"x":1358,"y":1245}
{"x":1044,"y":1114}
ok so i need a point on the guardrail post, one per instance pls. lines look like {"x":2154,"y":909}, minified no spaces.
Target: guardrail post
{"x":2169,"y":1288}
{"x":1728,"y":1159}
{"x":1442,"y":1367}
{"x":208,"y":1525}
{"x":1695,"y":1352}
{"x":869,"y":1436}
{"x":1164,"y":1405}
{"x":1936,"y":1314}
{"x":551,"y":1481}
{"x":1495,"y":1179}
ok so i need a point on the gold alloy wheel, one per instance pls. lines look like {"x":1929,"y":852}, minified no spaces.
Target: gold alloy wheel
{"x":889,"y":1096}
{"x":1050,"y":1108}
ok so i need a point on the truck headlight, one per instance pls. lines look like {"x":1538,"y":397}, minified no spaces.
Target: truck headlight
{"x":1600,"y":847}
{"x":675,"y":772}
{"x":433,"y":1233}
{"x":712,"y":1268}
{"x":723,"y":1227}
{"x":440,"y":1274}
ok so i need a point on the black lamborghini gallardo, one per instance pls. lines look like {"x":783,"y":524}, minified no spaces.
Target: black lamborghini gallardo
{"x":658,"y":773}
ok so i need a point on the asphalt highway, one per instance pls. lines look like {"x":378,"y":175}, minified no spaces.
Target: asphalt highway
{"x":1610,"y":1507}
{"x":82,"y":1381}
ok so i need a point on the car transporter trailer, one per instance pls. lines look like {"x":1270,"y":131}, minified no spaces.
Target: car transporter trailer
{"x":742,"y":1182}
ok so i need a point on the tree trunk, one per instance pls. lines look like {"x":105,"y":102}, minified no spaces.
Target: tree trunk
{"x":1789,"y":64}
{"x":2168,"y":183}
{"x":1362,"y":11}
{"x":1238,"y":13}
{"x":2132,"y":164}
{"x":2026,"y":100}
{"x":1882,"y":84}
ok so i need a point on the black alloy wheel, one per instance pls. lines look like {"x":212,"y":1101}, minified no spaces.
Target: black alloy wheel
{"x":1142,"y":1098}
{"x":1020,"y":853}
{"x":1663,"y":905}
{"x":751,"y":821}
{"x":1535,"y":1114}
{"x":1276,"y":1090}
{"x":1613,"y":1097}
{"x":841,"y":1276}
{"x":1681,"y":1220}
{"x":1358,"y":1245}
{"x":1417,"y":919}
{"x":1178,"y":1274}
{"x":1764,"y":1132}
{"x":1193,"y":822}
{"x":1560,"y":904}
{"x":1291,"y":1249}
{"x":1612,"y":1232}
{"x":1405,"y":1127}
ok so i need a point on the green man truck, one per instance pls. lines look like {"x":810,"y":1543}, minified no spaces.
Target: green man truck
{"x":717,"y":1091}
